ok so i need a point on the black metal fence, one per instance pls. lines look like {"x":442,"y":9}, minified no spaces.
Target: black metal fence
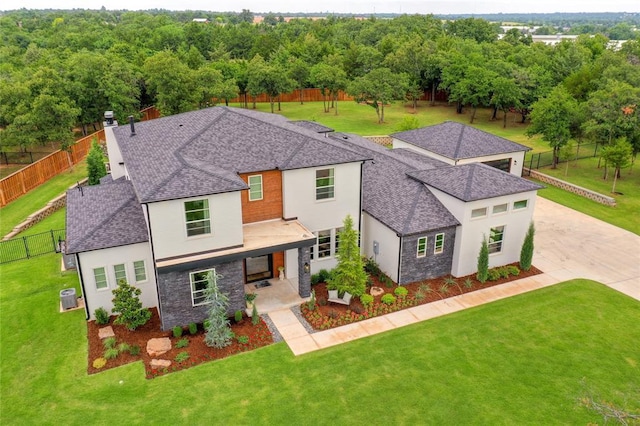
{"x":544,"y":159}
{"x":31,"y":245}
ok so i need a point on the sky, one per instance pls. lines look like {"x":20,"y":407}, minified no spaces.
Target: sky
{"x":341,"y":6}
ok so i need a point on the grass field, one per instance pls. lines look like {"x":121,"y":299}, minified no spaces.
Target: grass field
{"x":523,"y":360}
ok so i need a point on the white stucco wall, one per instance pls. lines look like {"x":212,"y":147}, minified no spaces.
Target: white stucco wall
{"x":169,"y":231}
{"x":107,"y":258}
{"x":388,"y":243}
{"x":299,"y":201}
{"x":469,"y":235}
{"x":115,"y":156}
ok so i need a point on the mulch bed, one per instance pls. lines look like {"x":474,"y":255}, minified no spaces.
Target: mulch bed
{"x":328,"y":315}
{"x":259,"y":335}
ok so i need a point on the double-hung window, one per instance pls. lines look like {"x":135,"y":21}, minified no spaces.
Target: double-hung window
{"x":255,"y":187}
{"x":199,"y":281}
{"x":325,"y":188}
{"x":337,"y":240}
{"x":496,"y":236}
{"x":421,"y":250}
{"x":324,"y":244}
{"x":140,"y":270}
{"x":197,"y":217}
{"x":438,"y":245}
{"x":120,"y":272}
{"x":100,"y":275}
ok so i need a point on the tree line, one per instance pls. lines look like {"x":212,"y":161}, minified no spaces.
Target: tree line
{"x":60,"y":69}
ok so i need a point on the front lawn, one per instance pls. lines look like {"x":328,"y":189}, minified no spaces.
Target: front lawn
{"x":520,"y":360}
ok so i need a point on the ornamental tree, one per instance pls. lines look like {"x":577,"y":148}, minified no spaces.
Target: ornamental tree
{"x":349,"y":275}
{"x":126,"y":303}
{"x":483,"y":262}
{"x":95,"y":164}
{"x":218,"y":333}
{"x":526,"y":253}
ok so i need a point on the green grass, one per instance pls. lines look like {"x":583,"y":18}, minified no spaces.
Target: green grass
{"x":586,"y":173}
{"x":18,"y":210}
{"x":517,"y":361}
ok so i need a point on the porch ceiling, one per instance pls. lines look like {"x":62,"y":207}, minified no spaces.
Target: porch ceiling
{"x":258,"y":238}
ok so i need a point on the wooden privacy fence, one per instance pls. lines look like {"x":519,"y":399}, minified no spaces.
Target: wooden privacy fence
{"x":24,"y":180}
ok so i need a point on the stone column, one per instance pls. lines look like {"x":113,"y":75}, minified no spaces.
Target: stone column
{"x":304,"y":278}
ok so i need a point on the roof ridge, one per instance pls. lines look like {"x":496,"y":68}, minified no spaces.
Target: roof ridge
{"x":412,"y":210}
{"x":459,"y":144}
{"x":469,"y":181}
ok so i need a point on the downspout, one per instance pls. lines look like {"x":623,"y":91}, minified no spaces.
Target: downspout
{"x":400,"y":258}
{"x":360,"y":206}
{"x":153,"y":256}
{"x":84,"y":293}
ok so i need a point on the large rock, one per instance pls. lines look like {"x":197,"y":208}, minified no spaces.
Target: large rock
{"x":105,"y":332}
{"x":159,"y":363}
{"x":158,"y":346}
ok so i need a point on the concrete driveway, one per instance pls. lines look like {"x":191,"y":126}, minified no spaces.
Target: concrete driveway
{"x":569,"y":244}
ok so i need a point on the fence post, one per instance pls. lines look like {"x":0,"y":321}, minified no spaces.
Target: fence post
{"x":26,"y":246}
{"x":538,"y":165}
{"x":53,"y":241}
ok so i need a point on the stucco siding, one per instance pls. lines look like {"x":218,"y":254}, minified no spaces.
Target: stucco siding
{"x":388,"y":245}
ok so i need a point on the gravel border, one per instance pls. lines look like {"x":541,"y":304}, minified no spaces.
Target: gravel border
{"x":296,"y":311}
{"x":277,"y":337}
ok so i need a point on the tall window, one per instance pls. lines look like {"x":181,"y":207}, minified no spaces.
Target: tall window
{"x":324,"y":244}
{"x":140,"y":270}
{"x":337,"y":240}
{"x":199,"y":281}
{"x":422,"y":247}
{"x":120,"y":272}
{"x":438,"y":245}
{"x":324,"y":184}
{"x":100,"y":276}
{"x":496,"y":236}
{"x":197,"y":217}
{"x":255,"y":188}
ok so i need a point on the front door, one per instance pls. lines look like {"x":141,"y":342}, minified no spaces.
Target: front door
{"x":258,"y":268}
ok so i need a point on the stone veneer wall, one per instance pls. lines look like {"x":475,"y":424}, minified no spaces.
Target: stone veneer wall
{"x":174,"y":294}
{"x":304,"y":278}
{"x":380,"y":140}
{"x":583,"y":192}
{"x":432,"y":265}
{"x":52,"y":206}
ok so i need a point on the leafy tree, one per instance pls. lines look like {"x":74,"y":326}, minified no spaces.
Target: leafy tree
{"x":505,"y":95}
{"x":299,"y":71}
{"x":565,"y":154}
{"x":480,"y":30}
{"x":551,"y":117}
{"x":526,"y":253}
{"x":126,"y":303}
{"x":378,"y":87}
{"x":474,"y":88}
{"x":618,"y":155}
{"x":483,"y":261}
{"x":349,"y":275}
{"x":212,"y":86}
{"x":96,"y":168}
{"x":172,"y":82}
{"x":218,"y":333}
{"x":330,"y":79}
{"x":411,"y":58}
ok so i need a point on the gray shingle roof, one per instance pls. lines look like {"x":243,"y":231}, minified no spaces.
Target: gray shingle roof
{"x":104,"y":216}
{"x":201,"y":152}
{"x":313,"y":126}
{"x":474,"y":181}
{"x":403,"y":204}
{"x":458,"y":141}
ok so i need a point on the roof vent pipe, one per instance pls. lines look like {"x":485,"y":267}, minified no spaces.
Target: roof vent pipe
{"x":133,"y":127}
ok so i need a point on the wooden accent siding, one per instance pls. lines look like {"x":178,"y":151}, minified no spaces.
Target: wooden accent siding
{"x":278,"y":260}
{"x":270,"y":207}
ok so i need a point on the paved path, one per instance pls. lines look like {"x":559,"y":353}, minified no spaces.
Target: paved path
{"x":569,"y":245}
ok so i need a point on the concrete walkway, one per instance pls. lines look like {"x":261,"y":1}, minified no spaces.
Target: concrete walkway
{"x":569,"y":245}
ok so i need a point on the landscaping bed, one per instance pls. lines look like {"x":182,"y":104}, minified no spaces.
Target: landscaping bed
{"x":324,"y":315}
{"x":196,"y":350}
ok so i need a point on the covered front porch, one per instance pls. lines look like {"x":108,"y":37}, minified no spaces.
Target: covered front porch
{"x":278,"y":294}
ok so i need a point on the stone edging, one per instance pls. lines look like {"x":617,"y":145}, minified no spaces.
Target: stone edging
{"x":52,"y":206}
{"x":583,"y":192}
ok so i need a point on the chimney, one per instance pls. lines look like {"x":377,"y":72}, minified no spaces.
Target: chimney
{"x":108,"y":119}
{"x":133,"y":127}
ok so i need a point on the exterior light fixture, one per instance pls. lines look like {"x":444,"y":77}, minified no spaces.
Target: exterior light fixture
{"x":307,"y":268}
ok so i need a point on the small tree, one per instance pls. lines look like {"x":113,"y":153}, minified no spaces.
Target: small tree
{"x":619,"y":156}
{"x":349,"y":275}
{"x":483,"y":262}
{"x":126,"y":303}
{"x":95,"y":164}
{"x":526,"y":253}
{"x":218,"y":333}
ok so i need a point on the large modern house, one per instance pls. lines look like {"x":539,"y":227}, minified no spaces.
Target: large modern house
{"x":245,"y":194}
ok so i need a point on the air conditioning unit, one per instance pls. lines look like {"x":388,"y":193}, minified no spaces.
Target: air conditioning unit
{"x":68,"y":298}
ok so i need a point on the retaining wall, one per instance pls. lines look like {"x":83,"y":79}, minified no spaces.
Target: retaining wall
{"x":583,"y":192}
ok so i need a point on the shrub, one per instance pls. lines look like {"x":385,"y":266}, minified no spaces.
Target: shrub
{"x":468,"y":283}
{"x":250,"y":297}
{"x":182,"y":343}
{"x":513,"y":270}
{"x":357,"y":309}
{"x":420,"y":295}
{"x":371,"y":266}
{"x":193,"y":328}
{"x":493,"y":274}
{"x":366,"y":299}
{"x":332,"y":314}
{"x":126,"y":302}
{"x":134,"y":350}
{"x":324,"y":275}
{"x":102,"y":316}
{"x":401,"y":292}
{"x":504,"y":272}
{"x":238,"y":316}
{"x":369,"y":281}
{"x":95,"y":164}
{"x":315,"y":279}
{"x":109,"y":342}
{"x":388,"y":299}
{"x":526,"y":253}
{"x":111,"y":353}
{"x":124,"y":347}
{"x":311,"y":304}
{"x":483,"y":262}
{"x":99,"y":363}
{"x":255,"y":318}
{"x":444,"y":288}
{"x":182,"y":356}
{"x":388,"y":282}
{"x":243,"y":339}
{"x":177,"y":331}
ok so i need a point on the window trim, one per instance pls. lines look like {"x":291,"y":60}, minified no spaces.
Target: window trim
{"x":330,"y":188}
{"x":327,"y":234}
{"x":144,"y":269}
{"x":438,"y":249}
{"x":506,"y":209}
{"x":526,"y":204}
{"x":481,"y":216}
{"x":106,"y":279}
{"x":124,"y":271}
{"x":499,"y":243}
{"x":421,"y":247}
{"x":194,"y":291}
{"x":251,"y":189}
{"x":206,"y":219}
